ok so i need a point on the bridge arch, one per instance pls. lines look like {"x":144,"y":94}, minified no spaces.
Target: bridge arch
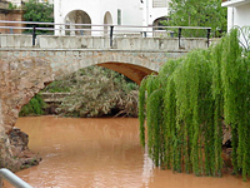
{"x":135,"y":67}
{"x":78,"y":17}
{"x":24,"y":73}
{"x":132,"y":71}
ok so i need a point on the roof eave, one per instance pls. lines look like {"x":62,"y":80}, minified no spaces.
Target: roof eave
{"x":235,"y":3}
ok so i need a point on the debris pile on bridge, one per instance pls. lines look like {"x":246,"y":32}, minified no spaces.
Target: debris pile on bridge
{"x":188,"y":104}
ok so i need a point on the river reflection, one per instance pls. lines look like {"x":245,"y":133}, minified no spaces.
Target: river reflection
{"x":100,"y":153}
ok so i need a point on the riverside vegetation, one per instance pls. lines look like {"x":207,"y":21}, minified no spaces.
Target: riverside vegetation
{"x":94,"y":92}
{"x":189,"y":102}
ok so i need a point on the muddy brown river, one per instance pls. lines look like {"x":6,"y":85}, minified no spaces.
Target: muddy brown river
{"x":100,"y":153}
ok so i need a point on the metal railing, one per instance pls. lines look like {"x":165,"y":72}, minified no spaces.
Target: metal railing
{"x":102,"y":30}
{"x":12,"y":179}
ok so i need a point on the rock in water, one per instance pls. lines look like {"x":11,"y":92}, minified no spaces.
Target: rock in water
{"x":15,"y":154}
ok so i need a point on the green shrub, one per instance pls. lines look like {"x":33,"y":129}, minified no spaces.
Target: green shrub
{"x":34,"y":107}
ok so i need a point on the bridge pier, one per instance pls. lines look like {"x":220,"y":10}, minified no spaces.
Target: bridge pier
{"x":20,"y":80}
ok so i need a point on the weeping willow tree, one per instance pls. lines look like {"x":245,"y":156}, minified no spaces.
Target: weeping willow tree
{"x":186,"y":105}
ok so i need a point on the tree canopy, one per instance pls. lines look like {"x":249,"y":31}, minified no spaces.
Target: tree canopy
{"x":198,"y":13}
{"x":38,"y":12}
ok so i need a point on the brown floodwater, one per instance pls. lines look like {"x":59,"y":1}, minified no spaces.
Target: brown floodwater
{"x":100,"y":153}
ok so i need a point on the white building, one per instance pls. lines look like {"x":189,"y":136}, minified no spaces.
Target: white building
{"x":238,"y":12}
{"x":116,"y":12}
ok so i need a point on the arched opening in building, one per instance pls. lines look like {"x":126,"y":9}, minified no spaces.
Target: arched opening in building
{"x":78,"y":17}
{"x":107,"y":21}
{"x":159,"y":31}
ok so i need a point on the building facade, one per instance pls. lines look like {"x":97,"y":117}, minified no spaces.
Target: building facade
{"x":238,"y":12}
{"x":99,"y":12}
{"x":12,"y":15}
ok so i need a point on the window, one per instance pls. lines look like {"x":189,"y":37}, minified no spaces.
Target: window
{"x":119,"y":19}
{"x":160,"y":3}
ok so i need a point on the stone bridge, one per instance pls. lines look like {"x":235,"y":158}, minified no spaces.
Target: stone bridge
{"x":25,"y":68}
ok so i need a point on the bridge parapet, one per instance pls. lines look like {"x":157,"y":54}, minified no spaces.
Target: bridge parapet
{"x":102,"y":43}
{"x":125,"y":43}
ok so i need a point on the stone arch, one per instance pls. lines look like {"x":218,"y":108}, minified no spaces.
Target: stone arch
{"x":78,"y":17}
{"x":24,"y":74}
{"x":107,"y":21}
{"x":133,"y":72}
{"x":134,"y":66}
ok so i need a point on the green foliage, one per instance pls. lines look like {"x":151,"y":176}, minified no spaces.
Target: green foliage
{"x":142,"y":96}
{"x":187,"y":103}
{"x":12,"y":7}
{"x":34,"y":107}
{"x":38,"y":12}
{"x":58,"y":86}
{"x":197,"y":13}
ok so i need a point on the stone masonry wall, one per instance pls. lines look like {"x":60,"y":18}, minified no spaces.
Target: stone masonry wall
{"x":20,"y":80}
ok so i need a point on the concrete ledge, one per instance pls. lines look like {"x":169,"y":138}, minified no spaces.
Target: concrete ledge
{"x":75,"y":42}
{"x":95,"y":50}
{"x":15,"y":41}
{"x":134,"y":43}
{"x":51,"y":42}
